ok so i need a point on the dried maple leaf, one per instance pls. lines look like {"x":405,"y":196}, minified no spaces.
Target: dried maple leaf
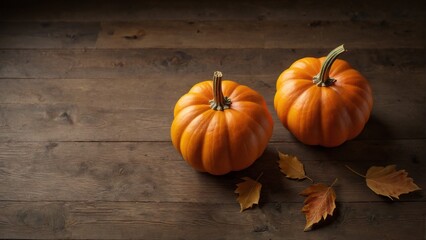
{"x":319,"y":202}
{"x":388,"y":182}
{"x":291,"y":167}
{"x":248,"y":192}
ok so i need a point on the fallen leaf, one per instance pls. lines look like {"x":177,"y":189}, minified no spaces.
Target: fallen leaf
{"x":388,"y":182}
{"x":319,"y":203}
{"x":291,"y":167}
{"x":248,"y":192}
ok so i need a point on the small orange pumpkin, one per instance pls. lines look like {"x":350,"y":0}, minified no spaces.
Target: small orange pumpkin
{"x":323,"y":101}
{"x":218,"y":134}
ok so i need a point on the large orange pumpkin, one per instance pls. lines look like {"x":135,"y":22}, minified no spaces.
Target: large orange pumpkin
{"x":218,"y":134}
{"x":323,"y":101}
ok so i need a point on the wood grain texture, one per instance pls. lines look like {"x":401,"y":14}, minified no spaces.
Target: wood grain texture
{"x":212,"y":34}
{"x":134,"y":93}
{"x":48,"y":34}
{"x":129,"y":220}
{"x":155,"y":172}
{"x":136,"y":63}
{"x":71,"y":122}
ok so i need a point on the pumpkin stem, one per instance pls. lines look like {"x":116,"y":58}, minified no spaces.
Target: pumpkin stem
{"x":219,"y":102}
{"x":323,"y":79}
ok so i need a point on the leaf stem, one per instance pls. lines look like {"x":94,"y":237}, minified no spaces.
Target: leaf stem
{"x":312,"y":181}
{"x":334,"y":182}
{"x":260,"y":175}
{"x":357,"y":173}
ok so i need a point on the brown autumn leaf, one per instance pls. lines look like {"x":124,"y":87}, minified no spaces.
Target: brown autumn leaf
{"x":319,"y":203}
{"x":388,"y":182}
{"x":248,"y":192}
{"x":291,"y":167}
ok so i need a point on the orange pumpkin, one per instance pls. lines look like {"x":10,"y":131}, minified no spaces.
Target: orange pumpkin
{"x":218,"y":134}
{"x":323,"y":101}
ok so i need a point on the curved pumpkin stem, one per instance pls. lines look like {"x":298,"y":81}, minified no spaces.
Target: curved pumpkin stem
{"x":219,"y":102}
{"x":323,"y":78}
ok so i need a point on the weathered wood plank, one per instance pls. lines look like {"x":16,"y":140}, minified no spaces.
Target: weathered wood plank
{"x":155,"y":172}
{"x":42,"y":10}
{"x":48,"y":35}
{"x":327,"y":34}
{"x":162,"y":91}
{"x":227,"y":34}
{"x":128,"y":220}
{"x":71,"y":122}
{"x":135,"y":63}
{"x":212,"y":34}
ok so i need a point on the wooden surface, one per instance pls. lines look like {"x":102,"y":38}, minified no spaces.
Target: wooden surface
{"x":87,"y":90}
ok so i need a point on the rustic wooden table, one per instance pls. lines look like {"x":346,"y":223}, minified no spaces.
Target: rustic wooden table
{"x":87,"y":90}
